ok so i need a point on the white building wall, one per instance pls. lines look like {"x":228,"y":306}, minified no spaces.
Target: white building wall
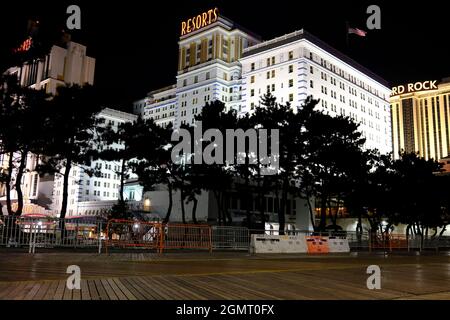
{"x":293,"y":71}
{"x":82,"y":187}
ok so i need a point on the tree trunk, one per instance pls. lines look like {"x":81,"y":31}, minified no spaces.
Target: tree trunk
{"x":225,"y":210}
{"x":20,"y":171}
{"x":183,"y":212}
{"x":65,"y":193}
{"x":282,"y":207}
{"x":194,"y":210}
{"x":323,"y":213}
{"x":169,"y":209}
{"x":8,"y":184}
{"x":311,"y":213}
{"x":122,"y":180}
{"x":219,"y":213}
{"x":444,"y":228}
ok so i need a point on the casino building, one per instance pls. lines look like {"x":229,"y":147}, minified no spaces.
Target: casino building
{"x":220,"y":60}
{"x":420,"y":119}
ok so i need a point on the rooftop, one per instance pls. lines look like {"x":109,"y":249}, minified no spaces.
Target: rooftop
{"x":303,"y":34}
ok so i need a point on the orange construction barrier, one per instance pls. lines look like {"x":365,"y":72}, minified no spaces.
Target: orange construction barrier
{"x":155,"y":235}
{"x":129,"y":233}
{"x":317,"y":244}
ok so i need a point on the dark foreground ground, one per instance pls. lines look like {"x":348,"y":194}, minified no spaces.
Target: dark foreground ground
{"x":222,"y":275}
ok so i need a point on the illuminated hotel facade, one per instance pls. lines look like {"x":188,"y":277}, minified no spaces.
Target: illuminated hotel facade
{"x":420,"y":119}
{"x":222,"y":61}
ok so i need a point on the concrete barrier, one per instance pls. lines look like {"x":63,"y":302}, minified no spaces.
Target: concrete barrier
{"x":317,"y":244}
{"x":338,"y":244}
{"x":263,"y":243}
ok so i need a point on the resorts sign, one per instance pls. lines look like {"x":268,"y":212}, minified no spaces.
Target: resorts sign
{"x":413,"y":87}
{"x":202,"y":20}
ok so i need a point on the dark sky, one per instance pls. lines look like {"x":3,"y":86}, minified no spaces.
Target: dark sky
{"x":135,"y":42}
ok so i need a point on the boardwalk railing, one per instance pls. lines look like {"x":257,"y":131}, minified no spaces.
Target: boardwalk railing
{"x":47,"y":232}
{"x":39,"y":231}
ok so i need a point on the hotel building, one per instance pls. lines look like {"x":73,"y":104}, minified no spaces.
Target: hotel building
{"x":63,"y":64}
{"x":420,"y":119}
{"x":93,"y":195}
{"x":222,"y":61}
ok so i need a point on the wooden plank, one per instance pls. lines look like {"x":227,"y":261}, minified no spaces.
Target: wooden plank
{"x":154,"y":291}
{"x":101,"y":290}
{"x":160,"y":286}
{"x":51,"y":291}
{"x":109,"y":291}
{"x":120,"y":295}
{"x":174,"y":282}
{"x":5,"y":288}
{"x":18,"y":287}
{"x":124,"y":289}
{"x":25,"y":290}
{"x":85,"y":295}
{"x":137,"y":293}
{"x":42,"y":291}
{"x":92,"y":290}
{"x":148,"y":293}
{"x":33,"y":291}
{"x":76,"y":294}
{"x":59,"y":293}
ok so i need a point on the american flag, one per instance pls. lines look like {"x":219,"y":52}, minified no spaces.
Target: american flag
{"x":357,"y":31}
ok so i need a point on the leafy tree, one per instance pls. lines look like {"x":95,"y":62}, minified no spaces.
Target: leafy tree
{"x":23,"y":115}
{"x":70,"y":133}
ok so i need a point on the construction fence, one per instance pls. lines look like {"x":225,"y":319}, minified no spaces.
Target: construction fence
{"x":34,"y":232}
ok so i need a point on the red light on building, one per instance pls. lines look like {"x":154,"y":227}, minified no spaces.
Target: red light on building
{"x":25,"y":46}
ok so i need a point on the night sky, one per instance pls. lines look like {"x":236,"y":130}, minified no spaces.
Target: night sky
{"x":135,"y":42}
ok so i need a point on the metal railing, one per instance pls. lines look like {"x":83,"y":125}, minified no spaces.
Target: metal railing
{"x":31,"y":233}
{"x":232,"y":238}
{"x":48,"y":232}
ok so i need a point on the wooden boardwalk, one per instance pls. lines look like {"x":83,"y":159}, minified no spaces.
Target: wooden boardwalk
{"x":238,"y":279}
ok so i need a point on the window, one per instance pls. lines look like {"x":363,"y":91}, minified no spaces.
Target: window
{"x":273,"y":60}
{"x":208,"y":76}
{"x":291,"y":83}
{"x":273,"y":87}
{"x":291,"y":97}
{"x":291,"y":68}
{"x":252,"y":79}
{"x":184,"y":83}
{"x":291,"y":55}
{"x":252,"y":92}
{"x":252,"y":106}
{"x":273,"y":73}
{"x":311,"y":84}
{"x":311,"y":70}
{"x":252,"y":66}
{"x":268,"y":61}
{"x":268,"y":75}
